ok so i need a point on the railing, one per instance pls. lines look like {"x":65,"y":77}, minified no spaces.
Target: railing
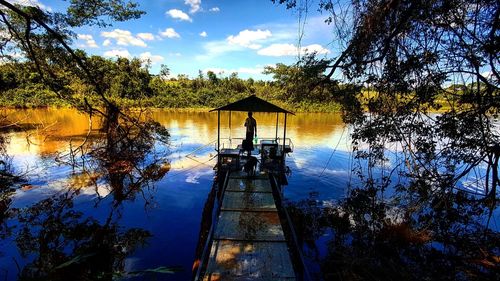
{"x":215,"y":213}
{"x":233,"y":143}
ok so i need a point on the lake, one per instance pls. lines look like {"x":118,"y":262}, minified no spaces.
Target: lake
{"x":59,"y":212}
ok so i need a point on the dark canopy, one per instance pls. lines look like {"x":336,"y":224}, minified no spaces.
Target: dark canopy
{"x":252,"y":103}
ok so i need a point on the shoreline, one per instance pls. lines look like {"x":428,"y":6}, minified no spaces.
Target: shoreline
{"x":179,"y":109}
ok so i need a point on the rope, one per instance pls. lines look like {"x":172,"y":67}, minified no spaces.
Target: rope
{"x":199,"y":148}
{"x":333,"y":152}
{"x":191,"y":168}
{"x":189,"y":157}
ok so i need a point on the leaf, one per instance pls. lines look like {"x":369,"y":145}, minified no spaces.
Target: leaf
{"x":74,"y":260}
{"x":161,"y":269}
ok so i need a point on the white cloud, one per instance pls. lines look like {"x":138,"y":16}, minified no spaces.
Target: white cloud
{"x":153,"y":58}
{"x":241,"y":70}
{"x":248,"y":38}
{"x":146,"y":36}
{"x":203,"y":34}
{"x":249,"y":70}
{"x":117,"y":53}
{"x":85,"y":37}
{"x":33,"y":3}
{"x":89,"y":40}
{"x":194,"y":4}
{"x":8,"y":56}
{"x":214,"y":9}
{"x":170,"y":33}
{"x":193,"y":177}
{"x":123,"y":38}
{"x":487,"y":74}
{"x":106,"y":43}
{"x":178,"y":14}
{"x":279,"y":50}
{"x":216,"y":48}
{"x":16,"y":55}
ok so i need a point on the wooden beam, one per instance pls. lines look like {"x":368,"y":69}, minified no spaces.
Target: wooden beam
{"x":284,"y":139}
{"x":276,"y":138}
{"x":218,"y":141}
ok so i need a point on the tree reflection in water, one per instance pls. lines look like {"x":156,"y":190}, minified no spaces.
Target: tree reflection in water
{"x":67,"y":245}
{"x":62,"y":243}
{"x":375,"y":240}
{"x":7,"y":176}
{"x":127,"y":158}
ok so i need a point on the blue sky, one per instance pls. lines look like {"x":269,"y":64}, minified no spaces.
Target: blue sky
{"x":191,"y":35}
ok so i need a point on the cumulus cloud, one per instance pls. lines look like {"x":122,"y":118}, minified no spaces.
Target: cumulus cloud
{"x":178,"y":14}
{"x":89,"y":40}
{"x":280,"y":50}
{"x":248,"y":38}
{"x":194,"y":4}
{"x":124,"y":38}
{"x":242,"y":70}
{"x":146,"y":36}
{"x":106,"y":43}
{"x":216,"y":48}
{"x":33,"y":3}
{"x":147,"y":56}
{"x":214,"y":9}
{"x":203,"y":34}
{"x":169,"y":33}
{"x":487,"y":74}
{"x":117,"y":53}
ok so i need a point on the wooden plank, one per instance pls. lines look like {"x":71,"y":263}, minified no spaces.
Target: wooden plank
{"x":248,"y":241}
{"x":248,"y":201}
{"x":254,"y":185}
{"x":230,"y":260}
{"x":244,"y":175}
{"x":249,"y":226}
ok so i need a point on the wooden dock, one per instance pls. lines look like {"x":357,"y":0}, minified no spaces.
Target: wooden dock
{"x":248,"y":242}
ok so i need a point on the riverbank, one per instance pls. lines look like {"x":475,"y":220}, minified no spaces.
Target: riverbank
{"x":297,"y":108}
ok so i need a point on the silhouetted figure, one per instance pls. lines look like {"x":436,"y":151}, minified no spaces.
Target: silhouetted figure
{"x":251,"y":125}
{"x":250,"y":166}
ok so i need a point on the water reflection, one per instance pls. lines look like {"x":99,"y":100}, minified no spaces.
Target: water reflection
{"x":118,"y":187}
{"x":64,"y":243}
{"x":61,"y":125}
{"x":58,"y":242}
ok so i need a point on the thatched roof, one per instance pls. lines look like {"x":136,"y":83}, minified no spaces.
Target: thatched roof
{"x":254,"y":104}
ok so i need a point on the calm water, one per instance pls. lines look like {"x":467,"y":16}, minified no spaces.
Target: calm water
{"x":168,"y":210}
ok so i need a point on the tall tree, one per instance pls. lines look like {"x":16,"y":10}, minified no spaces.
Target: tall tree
{"x":410,"y":53}
{"x":44,"y":38}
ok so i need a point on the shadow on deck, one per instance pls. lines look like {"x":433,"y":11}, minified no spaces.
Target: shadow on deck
{"x":248,"y":241}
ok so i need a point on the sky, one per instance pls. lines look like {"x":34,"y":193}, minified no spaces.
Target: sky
{"x":223,"y":36}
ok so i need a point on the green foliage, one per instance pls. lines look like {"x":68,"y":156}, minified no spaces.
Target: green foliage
{"x":129,"y":84}
{"x":66,"y":245}
{"x":410,"y":216}
{"x":85,"y":12}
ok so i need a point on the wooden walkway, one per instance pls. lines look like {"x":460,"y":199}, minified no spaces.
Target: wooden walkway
{"x":248,"y":241}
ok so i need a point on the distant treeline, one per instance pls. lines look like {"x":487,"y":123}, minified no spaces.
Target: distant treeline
{"x":129,"y":83}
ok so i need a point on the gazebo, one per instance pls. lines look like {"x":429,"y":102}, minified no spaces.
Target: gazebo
{"x":254,"y":104}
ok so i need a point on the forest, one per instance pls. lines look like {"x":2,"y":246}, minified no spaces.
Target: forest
{"x":416,"y":84}
{"x":130,"y":84}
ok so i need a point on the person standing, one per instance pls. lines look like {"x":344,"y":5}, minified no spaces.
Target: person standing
{"x":251,"y":131}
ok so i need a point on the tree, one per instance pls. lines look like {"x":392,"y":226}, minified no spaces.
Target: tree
{"x":44,"y":38}
{"x":410,"y":52}
{"x":212,"y":77}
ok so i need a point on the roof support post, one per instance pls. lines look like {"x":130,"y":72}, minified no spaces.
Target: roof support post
{"x":284,"y":139}
{"x":230,"y":128}
{"x":218,"y":140}
{"x":218,"y":131}
{"x":276,"y":138}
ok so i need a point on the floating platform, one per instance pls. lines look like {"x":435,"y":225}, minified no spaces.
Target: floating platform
{"x":248,"y":241}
